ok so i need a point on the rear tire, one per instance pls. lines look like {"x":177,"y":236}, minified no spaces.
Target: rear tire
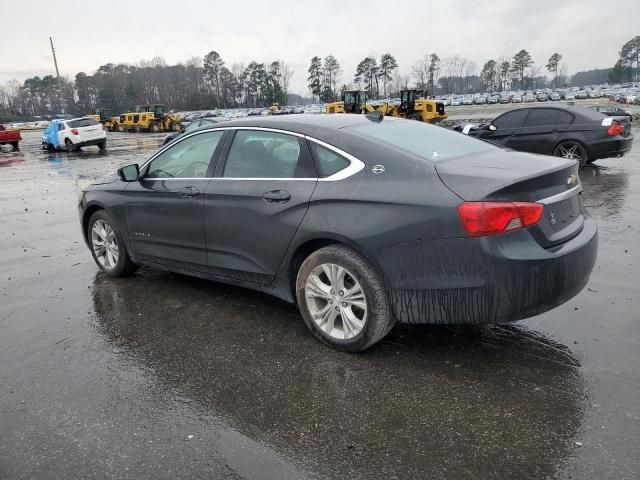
{"x":16,"y":146}
{"x":176,"y":127}
{"x":350,"y":322}
{"x":69,"y":145}
{"x":107,"y":246}
{"x":572,"y":150}
{"x":415,"y":116}
{"x":102,"y":145}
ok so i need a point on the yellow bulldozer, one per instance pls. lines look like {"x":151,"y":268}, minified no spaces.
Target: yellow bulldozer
{"x":413,"y":105}
{"x":148,"y":118}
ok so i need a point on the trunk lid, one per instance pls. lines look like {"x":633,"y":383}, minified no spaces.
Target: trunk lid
{"x":503,"y":175}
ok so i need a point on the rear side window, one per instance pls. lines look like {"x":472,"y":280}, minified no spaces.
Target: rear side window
{"x":564,"y":118}
{"x":513,"y":119}
{"x":82,"y":122}
{"x":542,"y":117}
{"x":259,"y":154}
{"x":328,"y":162}
{"x":427,"y":141}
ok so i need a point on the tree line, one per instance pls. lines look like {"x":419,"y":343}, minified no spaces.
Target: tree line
{"x":627,"y":68}
{"x":210,"y":82}
{"x":196,"y":84}
{"x":455,"y":74}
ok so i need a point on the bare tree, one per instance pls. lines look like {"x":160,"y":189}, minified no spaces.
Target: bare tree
{"x":287,"y":72}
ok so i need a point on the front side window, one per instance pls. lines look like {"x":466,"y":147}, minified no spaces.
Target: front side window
{"x":258,"y":154}
{"x":188,"y":158}
{"x":328,"y":162}
{"x":513,"y":119}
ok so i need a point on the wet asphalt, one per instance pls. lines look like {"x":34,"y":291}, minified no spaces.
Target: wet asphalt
{"x":168,"y":377}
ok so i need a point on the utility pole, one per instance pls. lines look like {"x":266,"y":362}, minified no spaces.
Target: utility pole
{"x":55,"y":62}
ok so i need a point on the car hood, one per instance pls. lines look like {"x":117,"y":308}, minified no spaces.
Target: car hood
{"x":111,"y":178}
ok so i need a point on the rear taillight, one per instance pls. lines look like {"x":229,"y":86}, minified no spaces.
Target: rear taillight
{"x":493,"y":218}
{"x":74,"y":131}
{"x":615,"y":129}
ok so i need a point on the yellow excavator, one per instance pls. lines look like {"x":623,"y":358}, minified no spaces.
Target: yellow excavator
{"x":151,"y":118}
{"x":413,"y":105}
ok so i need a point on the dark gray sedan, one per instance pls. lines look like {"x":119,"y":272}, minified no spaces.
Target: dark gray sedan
{"x":361,"y":221}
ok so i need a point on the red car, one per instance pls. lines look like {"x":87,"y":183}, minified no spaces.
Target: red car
{"x":10,"y":137}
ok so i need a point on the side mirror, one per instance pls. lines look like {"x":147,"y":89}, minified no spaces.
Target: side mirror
{"x":130,"y":173}
{"x":493,"y":128}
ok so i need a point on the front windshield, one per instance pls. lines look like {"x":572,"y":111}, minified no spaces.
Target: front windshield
{"x":427,"y":141}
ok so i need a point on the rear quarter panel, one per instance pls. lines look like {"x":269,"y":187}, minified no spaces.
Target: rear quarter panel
{"x":372,"y":212}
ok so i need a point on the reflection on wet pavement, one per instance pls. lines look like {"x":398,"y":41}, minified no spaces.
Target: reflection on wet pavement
{"x":444,"y":400}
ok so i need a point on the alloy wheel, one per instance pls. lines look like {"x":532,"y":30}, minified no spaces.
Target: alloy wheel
{"x":336,"y":301}
{"x":570,"y":150}
{"x":105,"y":244}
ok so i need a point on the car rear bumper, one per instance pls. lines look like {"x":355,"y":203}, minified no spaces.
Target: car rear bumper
{"x":610,"y":147}
{"x":485,"y":280}
{"x":93,"y":141}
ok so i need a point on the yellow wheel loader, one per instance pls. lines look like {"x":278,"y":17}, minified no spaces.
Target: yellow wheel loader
{"x":149,"y":118}
{"x":353,"y":101}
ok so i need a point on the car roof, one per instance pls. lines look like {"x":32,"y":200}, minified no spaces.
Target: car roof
{"x":305,"y":124}
{"x":578,"y":110}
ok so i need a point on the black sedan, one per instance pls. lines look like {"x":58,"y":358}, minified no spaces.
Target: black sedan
{"x":361,"y":221}
{"x":572,"y":132}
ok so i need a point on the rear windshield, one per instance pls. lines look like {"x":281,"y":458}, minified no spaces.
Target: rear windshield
{"x":427,"y":141}
{"x":82,"y":122}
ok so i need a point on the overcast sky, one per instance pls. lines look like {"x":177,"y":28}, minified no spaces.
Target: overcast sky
{"x":90,"y":33}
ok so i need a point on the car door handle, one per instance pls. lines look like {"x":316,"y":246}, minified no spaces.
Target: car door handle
{"x":188,"y":192}
{"x":277,"y":196}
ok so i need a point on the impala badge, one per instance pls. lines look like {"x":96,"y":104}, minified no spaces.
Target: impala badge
{"x":572,"y":180}
{"x":378,"y":169}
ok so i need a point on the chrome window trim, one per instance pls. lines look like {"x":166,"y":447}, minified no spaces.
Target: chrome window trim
{"x":155,"y":179}
{"x":561,"y":196}
{"x":355,"y":165}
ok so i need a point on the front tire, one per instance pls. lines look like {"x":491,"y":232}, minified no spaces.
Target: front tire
{"x":342,"y":299}
{"x":107,"y":246}
{"x":102,"y":145}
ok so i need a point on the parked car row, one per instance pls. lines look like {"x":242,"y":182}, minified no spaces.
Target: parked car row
{"x":628,"y":94}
